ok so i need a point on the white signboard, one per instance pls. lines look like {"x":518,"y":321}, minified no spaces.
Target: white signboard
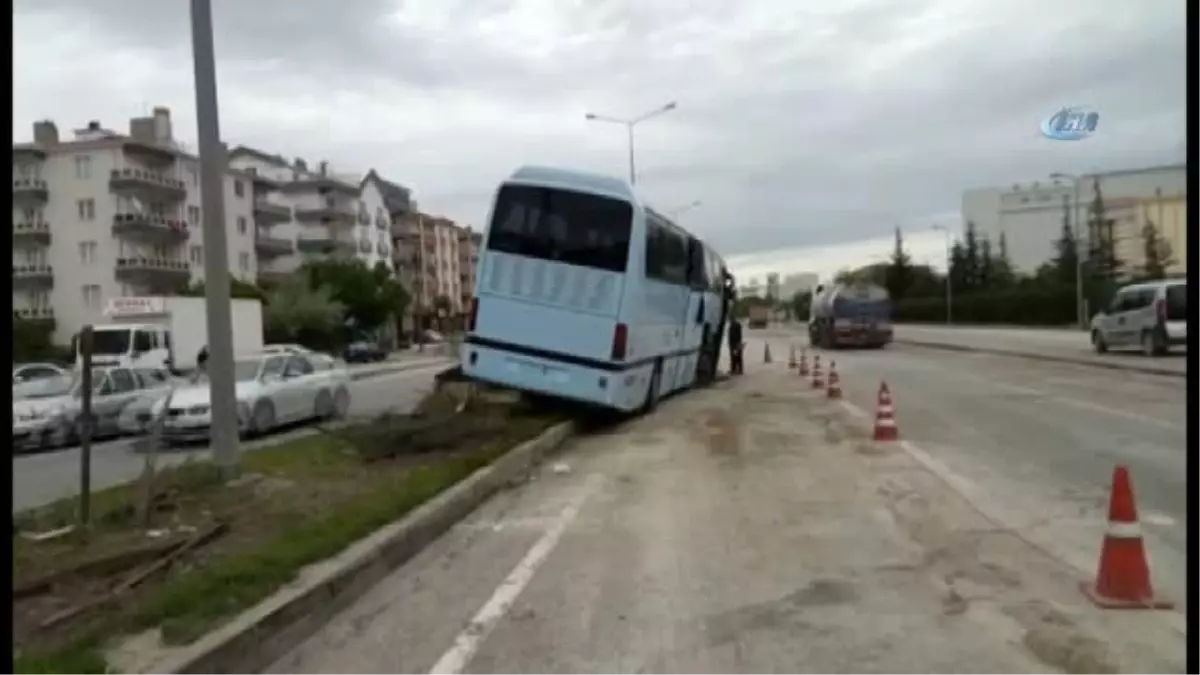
{"x":121,"y":307}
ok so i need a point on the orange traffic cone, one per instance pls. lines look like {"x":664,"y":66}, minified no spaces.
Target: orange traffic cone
{"x":1123,"y":580}
{"x":835,"y":384}
{"x":767,"y":353}
{"x":803,"y":363}
{"x":792,"y":357}
{"x":818,"y":382}
{"x":885,"y":420}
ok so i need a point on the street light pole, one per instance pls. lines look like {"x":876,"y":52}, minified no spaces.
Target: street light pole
{"x":629,"y":124}
{"x":222,"y":396}
{"x":949,"y":267}
{"x":1077,"y":181}
{"x":675,"y":213}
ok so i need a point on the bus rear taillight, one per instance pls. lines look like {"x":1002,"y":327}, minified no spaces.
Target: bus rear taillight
{"x":473,"y":314}
{"x":620,"y":339}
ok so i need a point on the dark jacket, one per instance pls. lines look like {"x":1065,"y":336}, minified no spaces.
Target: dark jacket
{"x":735,"y":334}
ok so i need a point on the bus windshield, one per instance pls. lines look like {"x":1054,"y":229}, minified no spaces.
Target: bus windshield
{"x":110,"y":342}
{"x":561,"y":226}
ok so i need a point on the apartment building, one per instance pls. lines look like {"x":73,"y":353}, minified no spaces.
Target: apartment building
{"x":1030,"y":215}
{"x":104,"y":215}
{"x":302,"y":213}
{"x":436,"y":258}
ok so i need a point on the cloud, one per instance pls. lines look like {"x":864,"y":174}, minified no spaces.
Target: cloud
{"x":799,"y":124}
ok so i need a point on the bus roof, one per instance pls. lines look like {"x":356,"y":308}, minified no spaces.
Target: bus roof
{"x":570,"y":179}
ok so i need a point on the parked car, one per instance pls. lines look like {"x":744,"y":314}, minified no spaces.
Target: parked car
{"x":272,"y":390}
{"x":285,"y":348}
{"x":30,"y":378}
{"x":363,"y":351}
{"x":136,"y":417}
{"x":53,"y":417}
{"x":1150,"y":315}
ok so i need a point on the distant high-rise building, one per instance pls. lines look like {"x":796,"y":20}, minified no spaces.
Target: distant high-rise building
{"x":773,"y":285}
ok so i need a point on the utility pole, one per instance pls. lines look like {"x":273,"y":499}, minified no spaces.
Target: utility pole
{"x":222,"y":395}
{"x":420,"y":283}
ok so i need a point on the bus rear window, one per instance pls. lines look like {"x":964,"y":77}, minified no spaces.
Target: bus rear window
{"x":561,"y":226}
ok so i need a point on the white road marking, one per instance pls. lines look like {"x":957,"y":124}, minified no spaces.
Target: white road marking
{"x":1157,"y":518}
{"x":469,"y":640}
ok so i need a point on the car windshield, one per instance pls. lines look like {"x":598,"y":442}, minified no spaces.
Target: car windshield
{"x":246,"y":370}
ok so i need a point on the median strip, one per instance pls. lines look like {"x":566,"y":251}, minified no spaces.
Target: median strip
{"x":199,"y":575}
{"x":1059,"y":358}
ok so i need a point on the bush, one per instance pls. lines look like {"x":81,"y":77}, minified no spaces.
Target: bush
{"x":1027,"y":304}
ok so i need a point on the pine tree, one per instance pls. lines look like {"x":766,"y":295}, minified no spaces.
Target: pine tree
{"x":987,"y":267}
{"x":899,"y":273}
{"x":970,"y":257}
{"x":1102,"y":248}
{"x":958,"y":266}
{"x":1066,"y":249}
{"x":1002,"y":270}
{"x":1157,"y":252}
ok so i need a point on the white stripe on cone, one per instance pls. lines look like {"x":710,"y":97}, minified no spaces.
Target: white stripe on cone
{"x":1125,"y":530}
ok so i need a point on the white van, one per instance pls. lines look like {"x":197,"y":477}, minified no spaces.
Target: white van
{"x":1151,"y":315}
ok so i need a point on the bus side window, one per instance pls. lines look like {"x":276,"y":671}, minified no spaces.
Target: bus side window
{"x":141,"y":341}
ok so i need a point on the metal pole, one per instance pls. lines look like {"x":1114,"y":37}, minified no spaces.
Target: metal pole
{"x":632,"y":173}
{"x":949,"y":293}
{"x":420,"y":283}
{"x":1079,"y":248}
{"x":222,"y":396}
{"x":85,"y":426}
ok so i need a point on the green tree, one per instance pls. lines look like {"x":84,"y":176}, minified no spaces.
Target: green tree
{"x":959,"y":268}
{"x":970,"y":257}
{"x":1003,"y":275}
{"x":1066,"y":251}
{"x":1103,"y":264}
{"x":899,"y":273}
{"x":296,"y":312}
{"x":1157,"y":252}
{"x":987,"y":265}
{"x":370,"y":296}
{"x":237,"y":289}
{"x":800,"y":305}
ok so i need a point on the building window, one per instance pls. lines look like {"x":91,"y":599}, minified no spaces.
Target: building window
{"x":87,"y":209}
{"x":193,"y":175}
{"x":193,"y":216}
{"x":87,"y":252}
{"x":91,"y":296}
{"x":244,"y":261}
{"x":196,"y":255}
{"x":239,"y":188}
{"x":83,"y":167}
{"x":241,"y":222}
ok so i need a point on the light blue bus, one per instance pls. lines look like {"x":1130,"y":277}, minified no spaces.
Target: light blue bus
{"x":586,"y":294}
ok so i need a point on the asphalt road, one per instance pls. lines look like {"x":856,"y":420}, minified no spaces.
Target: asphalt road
{"x":1061,"y":343}
{"x":46,"y":477}
{"x":1036,"y":441}
{"x":752,"y":527}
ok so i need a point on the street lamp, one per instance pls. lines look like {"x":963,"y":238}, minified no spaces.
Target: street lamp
{"x":629,"y":124}
{"x":1076,"y":182}
{"x":675,"y":213}
{"x":224,"y":431}
{"x":949,"y":268}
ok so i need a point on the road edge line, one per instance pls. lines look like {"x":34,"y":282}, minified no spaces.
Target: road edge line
{"x":398,"y":368}
{"x":258,"y":636}
{"x":947,"y":346}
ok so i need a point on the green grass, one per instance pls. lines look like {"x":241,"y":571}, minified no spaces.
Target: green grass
{"x":196,"y":601}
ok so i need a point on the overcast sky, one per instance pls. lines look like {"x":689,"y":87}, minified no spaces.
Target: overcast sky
{"x":800,"y":123}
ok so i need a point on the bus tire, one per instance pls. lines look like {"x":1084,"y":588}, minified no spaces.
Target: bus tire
{"x":651,"y":401}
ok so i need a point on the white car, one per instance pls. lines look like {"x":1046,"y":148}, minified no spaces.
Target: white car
{"x":53,"y":416}
{"x":272,"y":390}
{"x":32,"y":378}
{"x":136,"y":417}
{"x":286,"y":348}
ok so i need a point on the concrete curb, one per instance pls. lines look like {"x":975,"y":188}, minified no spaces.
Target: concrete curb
{"x":397,"y":368}
{"x":260,"y":635}
{"x":1114,"y":365}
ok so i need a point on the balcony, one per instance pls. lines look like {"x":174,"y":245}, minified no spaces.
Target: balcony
{"x":153,"y":184}
{"x":341,"y":214}
{"x":364,"y":218}
{"x":31,"y":234}
{"x":272,"y":247}
{"x":151,"y":227}
{"x":149,"y":152}
{"x":266,"y":212}
{"x":381,"y":248}
{"x":30,"y":189}
{"x":38,"y":276}
{"x":153,"y":271}
{"x":41,"y":315}
{"x":382,"y":222}
{"x":324,"y":243}
{"x":28,"y":153}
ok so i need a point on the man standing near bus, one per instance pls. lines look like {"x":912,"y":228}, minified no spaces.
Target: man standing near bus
{"x":735,"y":347}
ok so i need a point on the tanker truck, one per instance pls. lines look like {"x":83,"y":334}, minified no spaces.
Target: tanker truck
{"x":858,"y":314}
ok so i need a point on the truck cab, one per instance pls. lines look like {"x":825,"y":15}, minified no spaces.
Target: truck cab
{"x":129,"y":345}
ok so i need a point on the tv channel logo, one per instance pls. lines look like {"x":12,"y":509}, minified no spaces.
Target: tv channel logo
{"x":1072,"y":123}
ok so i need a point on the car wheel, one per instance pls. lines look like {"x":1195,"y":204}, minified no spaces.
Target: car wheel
{"x":341,"y":403}
{"x":324,"y":406}
{"x":1098,"y":342}
{"x":262,"y":419}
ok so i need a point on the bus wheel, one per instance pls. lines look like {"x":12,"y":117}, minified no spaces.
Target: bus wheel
{"x":652,"y":391}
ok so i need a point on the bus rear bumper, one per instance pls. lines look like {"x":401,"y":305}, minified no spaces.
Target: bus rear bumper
{"x":549,"y":377}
